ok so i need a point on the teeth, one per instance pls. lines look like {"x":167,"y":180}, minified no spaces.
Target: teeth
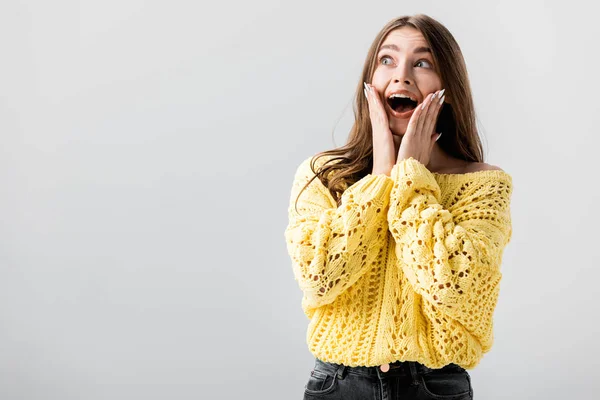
{"x":401,"y":95}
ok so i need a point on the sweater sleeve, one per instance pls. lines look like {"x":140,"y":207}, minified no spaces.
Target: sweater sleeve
{"x":331,"y":247}
{"x":452,"y":257}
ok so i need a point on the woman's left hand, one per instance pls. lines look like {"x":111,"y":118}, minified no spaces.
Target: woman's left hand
{"x":420,"y":137}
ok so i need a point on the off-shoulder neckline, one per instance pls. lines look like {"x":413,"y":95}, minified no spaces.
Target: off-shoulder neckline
{"x":495,"y":173}
{"x":492,"y":171}
{"x":484,"y":172}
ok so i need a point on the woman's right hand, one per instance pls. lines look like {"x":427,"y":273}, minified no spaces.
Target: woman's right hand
{"x":384,"y":150}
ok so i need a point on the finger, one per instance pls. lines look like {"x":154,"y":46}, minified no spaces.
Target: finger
{"x":439,"y":104}
{"x":424,"y":108}
{"x":366,"y":91}
{"x":374,"y":94}
{"x":379,"y":113}
{"x":370,"y":107}
{"x":413,"y":122}
{"x":433,"y":140}
{"x":370,"y":95}
{"x":369,"y":101}
{"x":430,"y":119}
{"x":436,"y":116}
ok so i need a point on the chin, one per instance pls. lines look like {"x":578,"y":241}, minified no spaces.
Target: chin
{"x":397,"y":132}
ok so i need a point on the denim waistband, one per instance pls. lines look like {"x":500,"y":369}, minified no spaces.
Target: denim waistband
{"x":411,"y":369}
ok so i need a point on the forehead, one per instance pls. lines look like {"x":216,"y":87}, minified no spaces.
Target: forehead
{"x":405,"y":38}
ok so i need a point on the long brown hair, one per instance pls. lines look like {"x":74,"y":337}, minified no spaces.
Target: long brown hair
{"x":354,"y":160}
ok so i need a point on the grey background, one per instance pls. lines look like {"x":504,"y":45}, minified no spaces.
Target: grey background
{"x":148,"y":150}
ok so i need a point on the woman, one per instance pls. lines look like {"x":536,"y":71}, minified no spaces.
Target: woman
{"x":397,"y":246}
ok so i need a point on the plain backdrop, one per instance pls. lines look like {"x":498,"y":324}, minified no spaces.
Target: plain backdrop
{"x":146,"y":161}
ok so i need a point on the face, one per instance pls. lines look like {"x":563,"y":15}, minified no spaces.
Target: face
{"x":402,"y":66}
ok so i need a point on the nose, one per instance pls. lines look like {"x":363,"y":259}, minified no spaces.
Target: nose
{"x":405,"y":81}
{"x":402,"y":74}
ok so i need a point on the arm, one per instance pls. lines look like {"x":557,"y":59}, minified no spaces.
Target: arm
{"x":452,"y":257}
{"x":331,"y":247}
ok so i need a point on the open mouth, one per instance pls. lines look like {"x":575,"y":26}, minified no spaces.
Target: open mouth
{"x":401,"y":104}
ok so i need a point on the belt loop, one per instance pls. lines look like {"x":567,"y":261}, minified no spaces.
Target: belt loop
{"x":340,"y":371}
{"x":413,"y":372}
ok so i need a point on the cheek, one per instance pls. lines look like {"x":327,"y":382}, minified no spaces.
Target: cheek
{"x":380,"y":78}
{"x":429,"y":83}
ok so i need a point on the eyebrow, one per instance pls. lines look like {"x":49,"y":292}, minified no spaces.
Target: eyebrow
{"x":421,"y":49}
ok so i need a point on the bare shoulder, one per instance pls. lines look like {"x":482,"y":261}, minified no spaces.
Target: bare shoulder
{"x":477,"y":166}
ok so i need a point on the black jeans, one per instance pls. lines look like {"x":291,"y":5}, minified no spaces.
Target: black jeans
{"x":404,"y":380}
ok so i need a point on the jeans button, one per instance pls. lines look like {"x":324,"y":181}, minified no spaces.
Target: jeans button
{"x":384,"y":367}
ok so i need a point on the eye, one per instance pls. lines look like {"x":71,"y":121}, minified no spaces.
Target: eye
{"x":420,"y":61}
{"x":384,"y":57}
{"x":390,"y":58}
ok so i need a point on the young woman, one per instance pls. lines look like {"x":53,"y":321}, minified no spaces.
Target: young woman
{"x":397,"y":246}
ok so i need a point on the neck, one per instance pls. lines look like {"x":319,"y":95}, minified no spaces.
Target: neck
{"x":438,"y":160}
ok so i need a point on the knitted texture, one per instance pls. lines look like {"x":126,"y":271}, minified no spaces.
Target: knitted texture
{"x":406,"y":268}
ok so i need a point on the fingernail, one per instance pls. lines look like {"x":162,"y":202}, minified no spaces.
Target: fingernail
{"x":365,"y":92}
{"x":442,"y":99}
{"x":442,"y":92}
{"x":438,"y":136}
{"x":365,"y":84}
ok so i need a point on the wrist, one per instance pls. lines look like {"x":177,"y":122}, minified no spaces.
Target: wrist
{"x":381,"y":171}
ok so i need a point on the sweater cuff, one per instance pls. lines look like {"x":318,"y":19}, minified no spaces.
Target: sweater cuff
{"x":370,"y":187}
{"x":410,"y":173}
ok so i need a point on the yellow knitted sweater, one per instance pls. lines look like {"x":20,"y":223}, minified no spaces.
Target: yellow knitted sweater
{"x":406,"y":268}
